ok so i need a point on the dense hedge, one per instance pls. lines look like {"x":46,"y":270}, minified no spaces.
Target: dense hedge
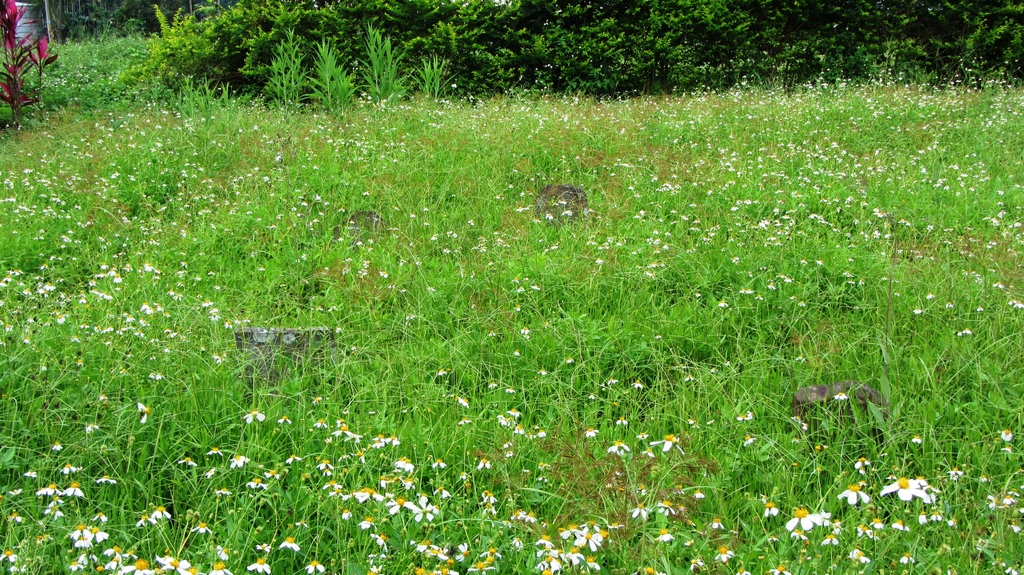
{"x":619,"y":46}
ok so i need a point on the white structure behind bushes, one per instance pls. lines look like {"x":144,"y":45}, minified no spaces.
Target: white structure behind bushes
{"x":33,"y":23}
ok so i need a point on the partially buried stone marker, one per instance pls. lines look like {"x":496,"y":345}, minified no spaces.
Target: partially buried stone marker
{"x":809,"y":403}
{"x":361,"y":224}
{"x":563,"y":203}
{"x":269,"y":352}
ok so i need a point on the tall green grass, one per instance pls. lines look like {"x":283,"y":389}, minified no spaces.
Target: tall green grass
{"x":381,"y":69}
{"x":88,"y":76}
{"x":288,"y":74}
{"x":432,"y":77}
{"x":330,"y":83}
{"x":740,"y":246}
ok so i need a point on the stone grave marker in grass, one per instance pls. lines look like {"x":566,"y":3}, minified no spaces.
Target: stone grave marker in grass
{"x":817,"y":404}
{"x":561,"y":204}
{"x":360,"y":226}
{"x":272,"y":353}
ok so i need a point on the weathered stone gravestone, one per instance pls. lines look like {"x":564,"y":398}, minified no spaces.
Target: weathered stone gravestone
{"x":560,"y":204}
{"x":272,"y":353}
{"x":360,"y":226}
{"x":814,"y":403}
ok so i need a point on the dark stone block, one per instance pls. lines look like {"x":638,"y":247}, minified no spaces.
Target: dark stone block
{"x":814,"y":402}
{"x":270,"y":353}
{"x":560,"y":204}
{"x":360,"y":226}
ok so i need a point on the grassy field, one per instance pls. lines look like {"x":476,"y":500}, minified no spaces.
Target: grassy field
{"x":510,"y":395}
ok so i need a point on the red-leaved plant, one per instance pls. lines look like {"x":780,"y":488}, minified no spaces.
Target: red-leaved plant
{"x":18,"y":57}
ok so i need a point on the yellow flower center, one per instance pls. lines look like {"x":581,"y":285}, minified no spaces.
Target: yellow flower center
{"x":904,"y":483}
{"x":218,"y":566}
{"x":723,"y":550}
{"x":141,"y":564}
{"x":854,"y":488}
{"x":801,"y":513}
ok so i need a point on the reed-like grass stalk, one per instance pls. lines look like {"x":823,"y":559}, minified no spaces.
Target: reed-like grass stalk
{"x":287,"y":73}
{"x":432,"y":77}
{"x":381,"y":68}
{"x":331,"y":86}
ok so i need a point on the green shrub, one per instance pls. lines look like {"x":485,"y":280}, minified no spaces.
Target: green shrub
{"x":330,"y":85}
{"x":384,"y":82}
{"x":610,"y":48}
{"x":287,"y":74}
{"x":137,"y":16}
{"x":999,"y":40}
{"x":431,"y":79}
{"x":183,"y":49}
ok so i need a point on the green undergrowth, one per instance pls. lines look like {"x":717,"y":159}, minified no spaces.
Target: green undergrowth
{"x":736,"y":248}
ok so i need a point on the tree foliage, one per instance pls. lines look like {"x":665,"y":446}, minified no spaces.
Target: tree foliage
{"x":619,"y":46}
